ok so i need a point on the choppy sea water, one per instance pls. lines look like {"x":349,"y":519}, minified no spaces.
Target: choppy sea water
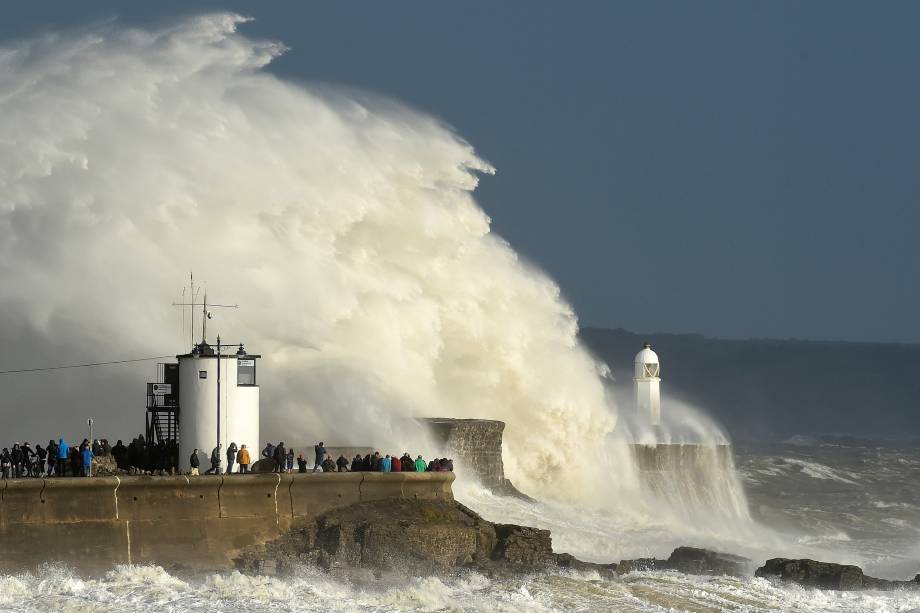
{"x":860,"y":498}
{"x":845,"y":500}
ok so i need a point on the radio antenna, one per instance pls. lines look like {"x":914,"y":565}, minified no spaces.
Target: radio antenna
{"x":205,"y":313}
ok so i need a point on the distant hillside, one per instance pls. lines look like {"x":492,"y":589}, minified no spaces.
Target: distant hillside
{"x":776,"y":388}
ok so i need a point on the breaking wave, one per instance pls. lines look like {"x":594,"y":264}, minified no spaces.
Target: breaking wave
{"x":142,"y":588}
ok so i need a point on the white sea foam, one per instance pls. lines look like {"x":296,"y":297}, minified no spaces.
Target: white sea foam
{"x":139,"y":588}
{"x":344,"y":224}
{"x":820,"y":471}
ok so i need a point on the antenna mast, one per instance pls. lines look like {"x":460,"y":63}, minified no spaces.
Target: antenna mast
{"x":204,"y":318}
{"x":205,"y":313}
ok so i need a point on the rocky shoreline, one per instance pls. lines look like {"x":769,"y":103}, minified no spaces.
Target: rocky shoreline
{"x":379,"y":540}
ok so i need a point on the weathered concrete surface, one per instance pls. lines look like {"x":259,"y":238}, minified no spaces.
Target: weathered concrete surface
{"x":475,"y":442}
{"x":179,"y":522}
{"x":685,"y":458}
{"x":477,"y":445}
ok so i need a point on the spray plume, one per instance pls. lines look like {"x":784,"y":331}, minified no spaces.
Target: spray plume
{"x":343,"y":224}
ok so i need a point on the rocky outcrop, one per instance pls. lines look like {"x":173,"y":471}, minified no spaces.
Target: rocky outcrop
{"x":827,"y":575}
{"x":394,"y":538}
{"x":373,"y":540}
{"x":523,"y":546}
{"x":692,"y":561}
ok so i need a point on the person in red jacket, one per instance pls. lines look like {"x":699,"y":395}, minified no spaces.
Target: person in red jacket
{"x":397,"y":465}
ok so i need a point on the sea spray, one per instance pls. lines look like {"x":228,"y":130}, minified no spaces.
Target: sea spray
{"x":343,"y":224}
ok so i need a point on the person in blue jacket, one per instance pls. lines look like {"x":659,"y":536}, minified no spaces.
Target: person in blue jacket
{"x":386,"y":464}
{"x":63,"y":455}
{"x":87,"y":461}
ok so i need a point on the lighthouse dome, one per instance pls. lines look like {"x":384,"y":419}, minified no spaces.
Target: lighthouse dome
{"x":647,"y":356}
{"x":647,"y":364}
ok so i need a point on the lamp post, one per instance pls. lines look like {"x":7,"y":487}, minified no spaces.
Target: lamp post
{"x":219,"y":452}
{"x":240,"y":352}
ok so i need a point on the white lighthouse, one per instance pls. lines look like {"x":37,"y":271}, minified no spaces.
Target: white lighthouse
{"x":647,"y":380}
{"x":218,"y":393}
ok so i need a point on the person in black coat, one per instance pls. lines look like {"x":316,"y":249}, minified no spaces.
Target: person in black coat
{"x":280,"y":457}
{"x":52,"y":449}
{"x":215,"y":462}
{"x":76,"y":461}
{"x":120,"y":453}
{"x":194,"y":463}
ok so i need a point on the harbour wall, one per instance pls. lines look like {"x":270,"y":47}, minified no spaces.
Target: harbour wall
{"x":477,"y":443}
{"x":194,"y":523}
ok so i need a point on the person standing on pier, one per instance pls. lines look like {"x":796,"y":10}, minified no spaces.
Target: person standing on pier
{"x":194,"y":463}
{"x":75,"y":461}
{"x":231,"y":457}
{"x":215,"y":462}
{"x":243,"y":458}
{"x":52,"y":450}
{"x":16,"y":460}
{"x":63,"y":452}
{"x":87,"y":461}
{"x":320,"y":453}
{"x":280,"y":457}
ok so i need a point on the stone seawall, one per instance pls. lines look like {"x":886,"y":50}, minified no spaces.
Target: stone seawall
{"x":477,"y":443}
{"x":196,"y":523}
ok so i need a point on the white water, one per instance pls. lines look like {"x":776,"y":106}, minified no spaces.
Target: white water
{"x":128,"y":588}
{"x":343,"y":224}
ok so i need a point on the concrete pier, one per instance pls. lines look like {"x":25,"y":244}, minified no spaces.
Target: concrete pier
{"x":198,"y":523}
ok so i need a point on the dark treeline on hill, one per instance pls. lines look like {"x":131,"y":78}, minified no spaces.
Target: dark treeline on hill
{"x":777,"y":388}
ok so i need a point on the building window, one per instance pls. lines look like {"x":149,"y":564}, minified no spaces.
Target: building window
{"x":202,"y":374}
{"x":246,"y":372}
{"x":652,"y":370}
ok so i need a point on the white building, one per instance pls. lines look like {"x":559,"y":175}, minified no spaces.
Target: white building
{"x":647,"y":379}
{"x":199,"y":419}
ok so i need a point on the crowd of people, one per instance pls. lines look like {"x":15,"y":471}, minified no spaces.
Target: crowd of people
{"x":62,"y":459}
{"x":52,"y":460}
{"x":283,"y":460}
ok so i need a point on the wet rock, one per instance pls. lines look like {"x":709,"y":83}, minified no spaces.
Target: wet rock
{"x":371,"y":540}
{"x":415,"y":537}
{"x":641,"y":564}
{"x":694,"y":561}
{"x":265,"y":465}
{"x":567,"y":560}
{"x":523,"y":545}
{"x":812,"y":573}
{"x":827,"y":575}
{"x":105,"y":466}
